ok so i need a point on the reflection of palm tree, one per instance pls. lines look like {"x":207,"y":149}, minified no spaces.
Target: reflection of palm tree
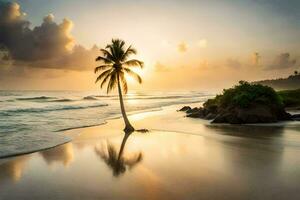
{"x":117,"y":161}
{"x":116,"y":64}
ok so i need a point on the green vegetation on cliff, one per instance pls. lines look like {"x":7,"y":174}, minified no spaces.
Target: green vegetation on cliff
{"x":290,"y":83}
{"x":243,"y":104}
{"x":290,"y":98}
{"x":247,"y":103}
{"x":243,"y":95}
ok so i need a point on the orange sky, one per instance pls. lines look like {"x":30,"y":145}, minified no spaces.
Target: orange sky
{"x":197,"y":45}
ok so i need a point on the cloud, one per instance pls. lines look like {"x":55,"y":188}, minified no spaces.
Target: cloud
{"x":202,"y":43}
{"x":5,"y":60}
{"x":283,"y":61}
{"x":45,"y":41}
{"x":49,"y":45}
{"x":255,"y":58}
{"x":79,"y":59}
{"x":182,"y":47}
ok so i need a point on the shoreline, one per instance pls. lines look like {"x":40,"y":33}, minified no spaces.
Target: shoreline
{"x":177,"y":157}
{"x":71,"y":132}
{"x":105,"y":122}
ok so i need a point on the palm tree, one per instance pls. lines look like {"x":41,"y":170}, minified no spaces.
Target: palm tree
{"x":115,"y":64}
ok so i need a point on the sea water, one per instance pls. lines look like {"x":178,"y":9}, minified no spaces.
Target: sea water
{"x":33,"y":120}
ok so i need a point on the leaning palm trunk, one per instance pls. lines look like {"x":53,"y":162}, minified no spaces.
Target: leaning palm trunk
{"x":128,"y":127}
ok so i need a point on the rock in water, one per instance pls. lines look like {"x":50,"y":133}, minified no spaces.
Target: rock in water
{"x":296,"y":117}
{"x":185,"y":108}
{"x":255,"y":113}
{"x":193,"y":110}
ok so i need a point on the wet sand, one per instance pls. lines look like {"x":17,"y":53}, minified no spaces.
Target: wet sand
{"x":180,"y":158}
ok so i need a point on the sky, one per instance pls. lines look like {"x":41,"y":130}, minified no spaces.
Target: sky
{"x":185,"y":45}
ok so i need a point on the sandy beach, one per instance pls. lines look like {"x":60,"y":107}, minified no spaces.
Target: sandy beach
{"x":180,"y":158}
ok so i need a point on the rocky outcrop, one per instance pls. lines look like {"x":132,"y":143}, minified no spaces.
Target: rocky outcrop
{"x":201,"y":113}
{"x":296,"y":117}
{"x":245,"y":103}
{"x":185,"y":108}
{"x":255,"y":113}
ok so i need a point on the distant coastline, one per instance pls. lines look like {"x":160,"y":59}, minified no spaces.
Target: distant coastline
{"x":290,"y":83}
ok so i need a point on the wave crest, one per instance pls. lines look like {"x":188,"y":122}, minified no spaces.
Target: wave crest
{"x":49,"y":109}
{"x":62,"y":100}
{"x":90,"y":98}
{"x":35,"y":98}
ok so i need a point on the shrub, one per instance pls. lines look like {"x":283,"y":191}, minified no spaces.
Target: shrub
{"x":290,"y":97}
{"x":244,"y":94}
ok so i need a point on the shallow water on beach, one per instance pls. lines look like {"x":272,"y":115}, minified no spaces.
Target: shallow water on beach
{"x":204,"y":162}
{"x":30,"y":120}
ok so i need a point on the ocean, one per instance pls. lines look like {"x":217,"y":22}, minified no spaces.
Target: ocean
{"x":33,"y":120}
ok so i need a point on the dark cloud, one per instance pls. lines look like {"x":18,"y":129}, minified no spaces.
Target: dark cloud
{"x":283,"y":61}
{"x":5,"y":59}
{"x":79,"y":59}
{"x":49,"y":45}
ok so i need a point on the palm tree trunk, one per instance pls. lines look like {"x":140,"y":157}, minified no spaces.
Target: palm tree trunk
{"x":128,"y":126}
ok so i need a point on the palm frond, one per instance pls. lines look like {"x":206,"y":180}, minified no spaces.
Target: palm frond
{"x":103,"y":74}
{"x":130,"y":50}
{"x":105,"y":80}
{"x":112,"y":82}
{"x":118,"y":43}
{"x":134,"y":63}
{"x":116,"y":48}
{"x":116,"y":63}
{"x":124,"y":82}
{"x":120,"y":48}
{"x":105,"y":60}
{"x":133,"y":74}
{"x":110,"y":48}
{"x":101,"y":68}
{"x":113,"y":48}
{"x":108,"y":55}
{"x":121,"y":43}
